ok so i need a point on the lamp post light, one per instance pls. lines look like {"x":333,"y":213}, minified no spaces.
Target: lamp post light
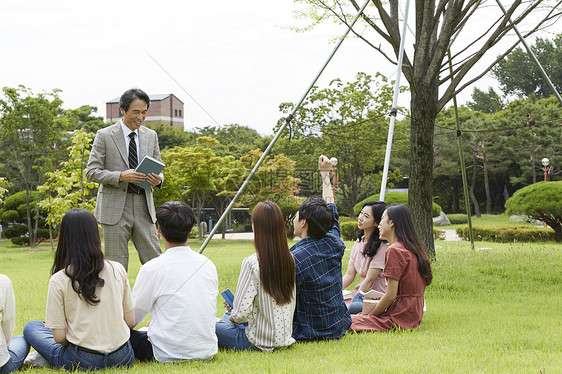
{"x":545,"y":169}
{"x":334,"y":162}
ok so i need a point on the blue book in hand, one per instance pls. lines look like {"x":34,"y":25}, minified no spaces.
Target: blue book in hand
{"x":148,"y":165}
{"x":228,"y":297}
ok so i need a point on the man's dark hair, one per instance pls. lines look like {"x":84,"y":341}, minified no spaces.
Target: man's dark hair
{"x":175,"y":219}
{"x":319,"y":216}
{"x":132,"y":94}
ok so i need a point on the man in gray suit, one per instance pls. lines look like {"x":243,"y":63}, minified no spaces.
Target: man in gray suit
{"x":124,"y":210}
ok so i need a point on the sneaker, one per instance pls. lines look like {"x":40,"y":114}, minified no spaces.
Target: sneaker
{"x":35,"y":359}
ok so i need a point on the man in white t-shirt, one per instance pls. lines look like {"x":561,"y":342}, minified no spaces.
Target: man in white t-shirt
{"x":179,"y":289}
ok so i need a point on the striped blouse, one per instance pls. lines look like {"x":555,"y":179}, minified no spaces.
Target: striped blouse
{"x":269,"y":325}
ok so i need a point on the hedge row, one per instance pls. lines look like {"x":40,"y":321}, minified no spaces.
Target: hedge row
{"x":457,"y":219}
{"x":512,"y":234}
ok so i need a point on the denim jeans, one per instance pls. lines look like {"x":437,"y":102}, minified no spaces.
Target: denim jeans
{"x":18,"y":350}
{"x":72,"y":357}
{"x":232,"y":335}
{"x":356,"y":305}
{"x":141,"y":345}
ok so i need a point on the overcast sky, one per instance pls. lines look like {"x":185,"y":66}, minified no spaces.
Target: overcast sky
{"x":236,"y":58}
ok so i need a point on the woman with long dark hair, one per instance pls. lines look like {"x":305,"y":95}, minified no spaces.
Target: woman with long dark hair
{"x":408,"y":272}
{"x":90,"y":307}
{"x":367,"y":255}
{"x":264,"y":304}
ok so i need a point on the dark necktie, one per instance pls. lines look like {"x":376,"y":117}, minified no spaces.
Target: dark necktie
{"x":133,"y":161}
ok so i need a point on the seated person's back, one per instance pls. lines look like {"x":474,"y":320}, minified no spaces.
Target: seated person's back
{"x":320,"y":310}
{"x":179,"y":289}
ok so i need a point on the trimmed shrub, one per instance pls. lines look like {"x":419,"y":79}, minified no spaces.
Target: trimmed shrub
{"x":14,"y":231}
{"x":394,"y":197}
{"x":20,"y":240}
{"x":457,"y":219}
{"x":438,"y":234}
{"x":10,"y":216}
{"x":14,"y":201}
{"x":540,"y":201}
{"x":349,"y":230}
{"x":510,"y":234}
{"x":43,"y":234}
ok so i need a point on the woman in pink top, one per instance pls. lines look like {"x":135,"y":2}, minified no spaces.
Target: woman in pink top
{"x":367,"y":255}
{"x":407,"y":271}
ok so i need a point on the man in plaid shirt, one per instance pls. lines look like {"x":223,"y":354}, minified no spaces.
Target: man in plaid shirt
{"x":320,"y":311}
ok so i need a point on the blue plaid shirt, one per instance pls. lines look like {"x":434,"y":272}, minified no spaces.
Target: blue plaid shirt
{"x":320,"y":312}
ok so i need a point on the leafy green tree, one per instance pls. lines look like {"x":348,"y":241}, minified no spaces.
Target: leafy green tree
{"x":67,"y":187}
{"x":274,"y":180}
{"x":349,"y":120}
{"x":518,"y":75}
{"x":191,"y":174}
{"x":170,"y":137}
{"x":234,"y":139}
{"x":540,"y":201}
{"x":486,"y":102}
{"x":229,"y":178}
{"x":4,"y":185}
{"x":439,"y":28}
{"x":82,"y":118}
{"x":30,"y":130}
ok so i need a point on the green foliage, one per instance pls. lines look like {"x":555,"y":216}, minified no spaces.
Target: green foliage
{"x":511,"y":234}
{"x":10,"y":216}
{"x":14,"y":201}
{"x":540,"y":201}
{"x":457,"y":219}
{"x":393,"y":197}
{"x":4,"y":185}
{"x":289,"y":210}
{"x":170,"y":137}
{"x":14,"y":231}
{"x":518,"y":74}
{"x":349,"y":230}
{"x":486,"y":102}
{"x":67,"y":187}
{"x":20,"y":240}
{"x":348,"y":120}
{"x":438,"y":234}
{"x":81,"y":118}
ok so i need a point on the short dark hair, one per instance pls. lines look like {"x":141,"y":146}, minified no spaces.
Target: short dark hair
{"x":319,"y":216}
{"x":132,"y":94}
{"x":175,"y":219}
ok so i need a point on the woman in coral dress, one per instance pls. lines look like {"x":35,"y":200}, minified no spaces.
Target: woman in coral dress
{"x":407,"y":271}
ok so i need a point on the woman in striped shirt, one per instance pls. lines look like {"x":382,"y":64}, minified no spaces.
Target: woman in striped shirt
{"x":264,"y":305}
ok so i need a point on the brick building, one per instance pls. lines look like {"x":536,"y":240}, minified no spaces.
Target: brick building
{"x":167,"y":109}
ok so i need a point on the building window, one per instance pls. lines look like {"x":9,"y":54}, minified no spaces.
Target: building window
{"x":180,"y":112}
{"x":175,"y":112}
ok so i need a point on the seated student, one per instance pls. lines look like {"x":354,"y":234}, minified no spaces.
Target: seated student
{"x":13,"y":350}
{"x":320,"y":311}
{"x":90,"y":306}
{"x":367,"y":255}
{"x":265,"y":295}
{"x":179,"y":288}
{"x":407,"y":271}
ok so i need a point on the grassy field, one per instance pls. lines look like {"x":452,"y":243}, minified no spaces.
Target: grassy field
{"x":489,"y":311}
{"x":491,"y":220}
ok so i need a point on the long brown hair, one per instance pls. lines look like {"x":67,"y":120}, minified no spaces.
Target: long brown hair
{"x":407,"y":235}
{"x":277,"y":266}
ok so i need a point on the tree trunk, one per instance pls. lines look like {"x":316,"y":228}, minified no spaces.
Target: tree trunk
{"x":455,"y":199}
{"x":420,"y":194}
{"x":473,"y":182}
{"x":487,"y":185}
{"x":32,"y":239}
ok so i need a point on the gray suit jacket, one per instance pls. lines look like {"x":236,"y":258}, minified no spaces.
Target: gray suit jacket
{"x":108,"y":159}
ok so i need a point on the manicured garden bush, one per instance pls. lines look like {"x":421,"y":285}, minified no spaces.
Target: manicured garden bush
{"x":349,"y":230}
{"x":541,"y":201}
{"x":457,"y":219}
{"x":393,"y":197}
{"x":523,"y":234}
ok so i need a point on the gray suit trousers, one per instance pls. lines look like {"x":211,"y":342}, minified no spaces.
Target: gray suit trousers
{"x":135,"y":224}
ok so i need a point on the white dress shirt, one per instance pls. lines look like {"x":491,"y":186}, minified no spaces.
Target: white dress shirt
{"x":179,"y":289}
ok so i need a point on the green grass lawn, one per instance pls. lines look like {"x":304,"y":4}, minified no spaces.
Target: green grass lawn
{"x":489,"y":311}
{"x":490,"y":220}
